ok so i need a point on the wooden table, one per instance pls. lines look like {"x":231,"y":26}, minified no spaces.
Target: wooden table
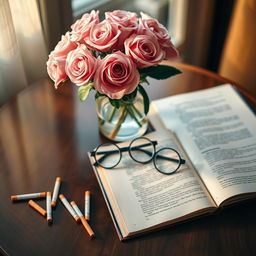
{"x":46,"y":133}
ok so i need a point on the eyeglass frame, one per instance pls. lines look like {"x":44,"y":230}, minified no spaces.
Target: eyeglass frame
{"x":125,"y":149}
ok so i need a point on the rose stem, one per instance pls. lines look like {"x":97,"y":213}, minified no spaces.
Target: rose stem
{"x":111,"y":115}
{"x":119,"y":123}
{"x":133,"y":115}
{"x":137,"y":111}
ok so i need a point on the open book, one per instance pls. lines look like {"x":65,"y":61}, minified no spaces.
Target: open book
{"x":215,"y":132}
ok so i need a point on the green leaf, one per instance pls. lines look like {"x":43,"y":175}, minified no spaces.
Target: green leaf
{"x":145,"y":99}
{"x":114,"y":102}
{"x":83,"y":91}
{"x":98,"y":94}
{"x":131,"y":96}
{"x":160,"y":71}
{"x":146,"y":81}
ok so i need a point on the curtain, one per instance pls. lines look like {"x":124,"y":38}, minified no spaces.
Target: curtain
{"x":22,"y":47}
{"x":29,"y":31}
{"x":206,"y":27}
{"x":56,"y":17}
{"x":238,"y":60}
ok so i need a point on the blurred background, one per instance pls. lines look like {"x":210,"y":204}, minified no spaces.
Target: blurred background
{"x":217,"y":35}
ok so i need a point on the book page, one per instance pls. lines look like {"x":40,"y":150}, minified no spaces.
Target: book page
{"x":218,"y":132}
{"x":142,"y":197}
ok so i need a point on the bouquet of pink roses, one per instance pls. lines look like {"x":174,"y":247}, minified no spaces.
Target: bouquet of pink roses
{"x":113,"y":57}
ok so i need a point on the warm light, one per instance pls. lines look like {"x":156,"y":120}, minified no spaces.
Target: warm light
{"x":8,"y":42}
{"x":25,"y":17}
{"x":19,"y":21}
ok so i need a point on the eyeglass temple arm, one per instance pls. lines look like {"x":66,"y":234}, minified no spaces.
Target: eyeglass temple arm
{"x":103,"y":157}
{"x":182,"y":161}
{"x":125,"y":149}
{"x":109,"y":152}
{"x":105,"y":154}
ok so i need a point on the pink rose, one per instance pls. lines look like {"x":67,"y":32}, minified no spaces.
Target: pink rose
{"x":144,"y":50}
{"x":170,"y":51}
{"x":151,"y":25}
{"x":81,"y":28}
{"x":56,"y":69}
{"x":124,"y":18}
{"x":57,"y":59}
{"x":103,"y":36}
{"x":64,"y":46}
{"x":80,"y":65}
{"x":127,"y":21}
{"x":116,"y":75}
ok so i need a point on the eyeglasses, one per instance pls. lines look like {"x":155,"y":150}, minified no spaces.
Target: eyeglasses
{"x":141,"y":150}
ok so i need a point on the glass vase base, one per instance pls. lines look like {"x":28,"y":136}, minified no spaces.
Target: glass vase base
{"x":125,"y":122}
{"x":128,"y":130}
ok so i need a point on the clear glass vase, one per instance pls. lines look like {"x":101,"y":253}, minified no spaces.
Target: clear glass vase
{"x":126,"y":122}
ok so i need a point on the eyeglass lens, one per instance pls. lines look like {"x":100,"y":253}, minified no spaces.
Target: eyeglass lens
{"x":167,"y":160}
{"x":141,"y":150}
{"x":108,"y":155}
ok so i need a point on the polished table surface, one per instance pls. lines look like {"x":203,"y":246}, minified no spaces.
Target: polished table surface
{"x":45,"y":133}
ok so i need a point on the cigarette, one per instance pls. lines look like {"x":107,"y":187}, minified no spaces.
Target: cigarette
{"x":28,"y":196}
{"x":87,"y":205}
{"x":87,"y":227}
{"x":56,"y":191}
{"x":77,"y":210}
{"x":37,"y":207}
{"x":83,"y":220}
{"x":49,"y":207}
{"x":69,"y":207}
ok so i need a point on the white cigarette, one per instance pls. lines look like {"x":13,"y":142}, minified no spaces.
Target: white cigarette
{"x":56,"y":191}
{"x":69,"y":207}
{"x":77,"y":210}
{"x":83,"y":220}
{"x":49,"y":207}
{"x":87,"y":205}
{"x":28,"y":196}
